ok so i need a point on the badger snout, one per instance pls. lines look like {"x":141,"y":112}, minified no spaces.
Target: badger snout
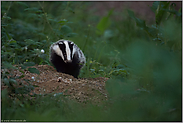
{"x":67,"y":61}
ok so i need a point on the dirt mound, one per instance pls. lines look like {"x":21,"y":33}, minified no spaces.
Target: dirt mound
{"x":50,"y":81}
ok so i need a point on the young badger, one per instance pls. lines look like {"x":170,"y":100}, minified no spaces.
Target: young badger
{"x":67,"y":57}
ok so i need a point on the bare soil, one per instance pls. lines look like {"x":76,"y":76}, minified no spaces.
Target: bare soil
{"x":50,"y":81}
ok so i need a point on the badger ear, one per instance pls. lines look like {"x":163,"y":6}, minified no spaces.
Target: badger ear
{"x":60,"y":42}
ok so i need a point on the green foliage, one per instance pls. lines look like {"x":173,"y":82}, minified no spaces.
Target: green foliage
{"x":166,"y":26}
{"x":142,"y":61}
{"x":104,"y":23}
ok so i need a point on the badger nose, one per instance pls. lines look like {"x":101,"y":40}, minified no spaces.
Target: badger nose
{"x":68,"y":61}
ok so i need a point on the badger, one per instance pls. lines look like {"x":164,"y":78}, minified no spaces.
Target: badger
{"x":67,"y":57}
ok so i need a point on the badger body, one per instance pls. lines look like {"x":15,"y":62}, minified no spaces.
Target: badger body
{"x":67,"y":57}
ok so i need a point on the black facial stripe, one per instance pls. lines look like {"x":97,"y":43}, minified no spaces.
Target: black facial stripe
{"x":71,"y":48}
{"x":63,"y":49}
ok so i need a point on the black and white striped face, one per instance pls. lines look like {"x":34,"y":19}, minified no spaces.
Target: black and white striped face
{"x":65,"y":49}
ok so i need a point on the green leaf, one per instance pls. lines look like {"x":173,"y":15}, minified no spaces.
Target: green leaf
{"x":33,"y":9}
{"x":155,"y":6}
{"x":173,"y":12}
{"x":104,"y":23}
{"x":29,"y":63}
{"x":12,"y":41}
{"x":35,"y":85}
{"x":31,"y":42}
{"x":63,"y":22}
{"x":131,"y":14}
{"x":33,"y":70}
{"x":6,"y":17}
{"x":21,"y":71}
{"x":140,"y":23}
{"x":21,"y":76}
{"x":110,"y":12}
{"x":160,"y":13}
{"x":71,"y":34}
{"x":23,"y":67}
{"x":6,"y":81}
{"x":13,"y":81}
{"x":4,"y":94}
{"x":8,"y":65}
{"x":22,"y":4}
{"x":22,"y":105}
{"x":65,"y":29}
{"x":9,"y":37}
{"x":180,"y":10}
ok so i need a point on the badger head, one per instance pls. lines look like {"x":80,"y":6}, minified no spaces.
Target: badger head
{"x":64,"y":49}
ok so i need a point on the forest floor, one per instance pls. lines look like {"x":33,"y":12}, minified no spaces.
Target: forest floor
{"x":50,"y":81}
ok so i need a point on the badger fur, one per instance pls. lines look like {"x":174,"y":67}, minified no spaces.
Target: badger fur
{"x":67,"y":57}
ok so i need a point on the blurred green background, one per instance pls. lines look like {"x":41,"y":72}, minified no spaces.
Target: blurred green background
{"x":143,"y":62}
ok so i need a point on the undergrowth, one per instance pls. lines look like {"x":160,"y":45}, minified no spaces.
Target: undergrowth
{"x":142,"y":61}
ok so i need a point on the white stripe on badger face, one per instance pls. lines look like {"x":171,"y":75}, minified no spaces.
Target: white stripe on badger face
{"x":57,"y":50}
{"x":68,"y":51}
{"x":73,"y":51}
